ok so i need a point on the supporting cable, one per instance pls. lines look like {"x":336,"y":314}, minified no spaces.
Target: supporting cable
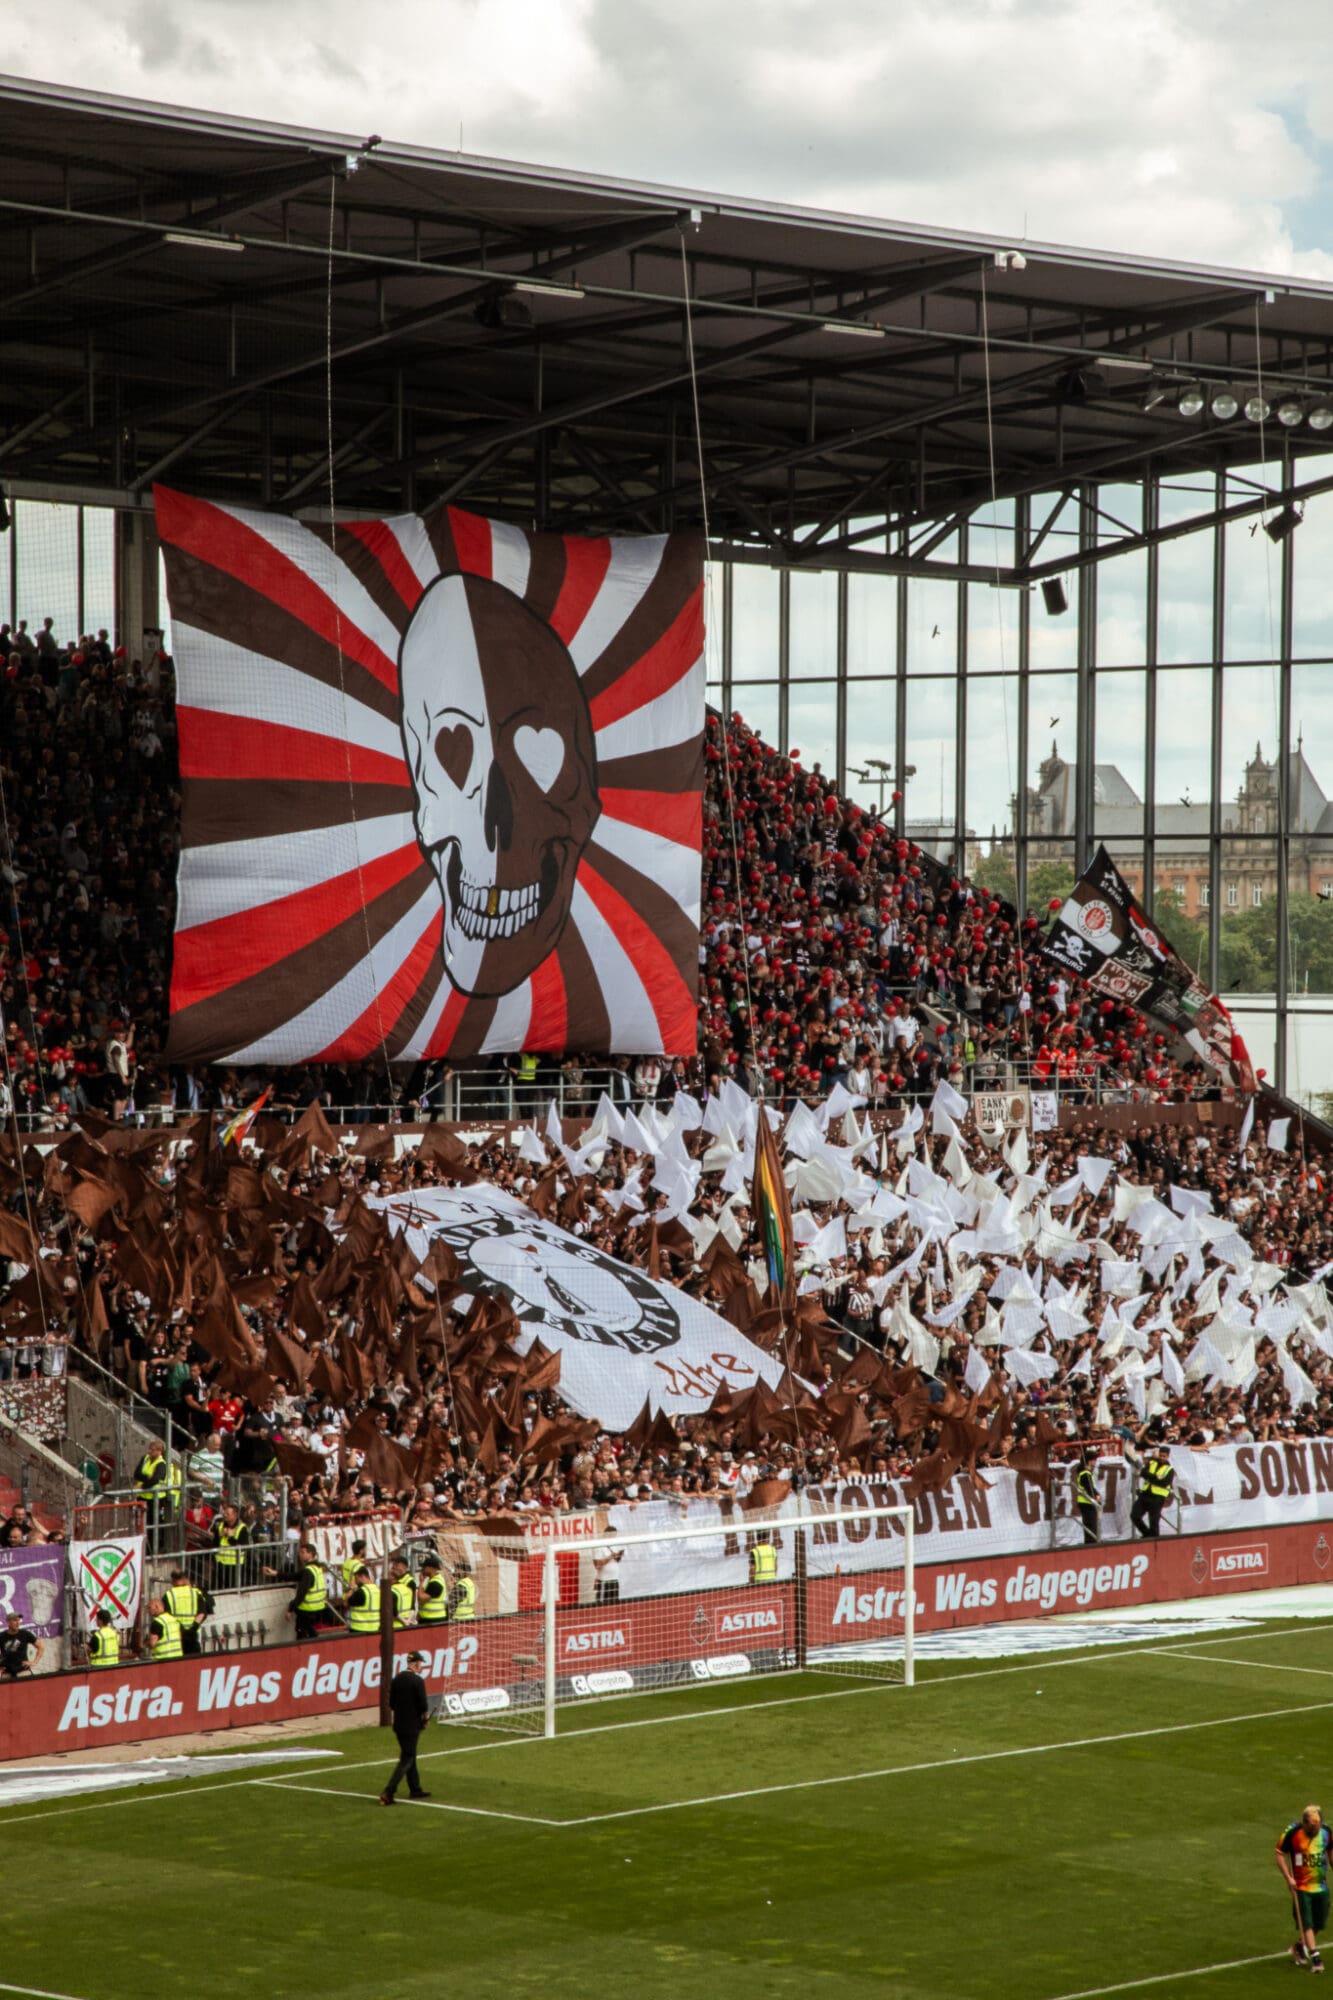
{"x":760,"y":1106}
{"x":338,"y":638}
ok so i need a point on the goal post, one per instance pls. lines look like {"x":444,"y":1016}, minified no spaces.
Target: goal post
{"x":827,"y":1591}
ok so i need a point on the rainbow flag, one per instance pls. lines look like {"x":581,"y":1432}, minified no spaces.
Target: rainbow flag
{"x":238,"y":1127}
{"x":771,"y":1204}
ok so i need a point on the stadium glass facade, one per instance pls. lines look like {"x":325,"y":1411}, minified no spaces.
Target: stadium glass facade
{"x":1170,"y":682}
{"x":1148,"y":715}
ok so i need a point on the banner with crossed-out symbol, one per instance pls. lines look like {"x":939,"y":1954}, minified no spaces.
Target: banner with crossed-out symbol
{"x":108,"y":1576}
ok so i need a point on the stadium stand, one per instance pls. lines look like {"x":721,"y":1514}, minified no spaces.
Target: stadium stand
{"x":833,"y":948}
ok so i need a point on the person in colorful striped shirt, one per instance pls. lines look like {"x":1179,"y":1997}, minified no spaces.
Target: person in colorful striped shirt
{"x":1302,"y":1855}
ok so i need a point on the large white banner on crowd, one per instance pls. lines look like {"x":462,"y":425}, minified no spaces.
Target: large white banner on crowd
{"x":624,"y":1339}
{"x":1247,"y":1486}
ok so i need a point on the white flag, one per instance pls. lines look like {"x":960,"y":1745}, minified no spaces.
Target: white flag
{"x":976,"y":1374}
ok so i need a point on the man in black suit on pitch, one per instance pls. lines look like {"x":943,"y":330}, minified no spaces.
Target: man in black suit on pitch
{"x":411,"y":1712}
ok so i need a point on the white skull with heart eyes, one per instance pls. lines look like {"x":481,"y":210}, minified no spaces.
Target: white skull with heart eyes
{"x":500,"y":750}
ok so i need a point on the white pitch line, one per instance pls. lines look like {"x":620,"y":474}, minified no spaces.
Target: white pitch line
{"x":1169,"y":1978}
{"x":1261,"y":1666}
{"x":187,"y":1788}
{"x":37,"y":1993}
{"x":947,"y":1763}
{"x":432,"y":1805}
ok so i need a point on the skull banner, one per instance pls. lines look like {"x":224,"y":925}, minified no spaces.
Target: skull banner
{"x":441,"y":787}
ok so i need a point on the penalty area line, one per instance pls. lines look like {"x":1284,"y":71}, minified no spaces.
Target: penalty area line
{"x":1171,"y":1978}
{"x":1262,"y":1666}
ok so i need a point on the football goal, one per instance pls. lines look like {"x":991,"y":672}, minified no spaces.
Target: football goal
{"x":821,"y":1591}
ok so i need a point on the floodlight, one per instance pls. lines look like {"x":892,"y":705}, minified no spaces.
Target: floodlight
{"x":544,"y":290}
{"x":855,"y":327}
{"x":1224,"y":404}
{"x":1258,"y":409}
{"x":198,"y":241}
{"x":1290,"y":413}
{"x":1190,"y":401}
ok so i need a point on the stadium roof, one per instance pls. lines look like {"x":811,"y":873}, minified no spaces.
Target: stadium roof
{"x":515,"y":337}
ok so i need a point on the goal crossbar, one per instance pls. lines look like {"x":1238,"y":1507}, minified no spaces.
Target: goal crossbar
{"x":828,"y":1590}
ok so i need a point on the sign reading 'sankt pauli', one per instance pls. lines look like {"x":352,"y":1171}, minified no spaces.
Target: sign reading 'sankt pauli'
{"x":1103,"y":934}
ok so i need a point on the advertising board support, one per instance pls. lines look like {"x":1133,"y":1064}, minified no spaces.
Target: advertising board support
{"x":388,"y":1606}
{"x":550,"y":1597}
{"x":799,"y":1598}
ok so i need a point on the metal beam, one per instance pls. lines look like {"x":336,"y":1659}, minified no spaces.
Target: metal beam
{"x":323,"y":468}
{"x":241,"y":200}
{"x":635,"y":390}
{"x":1154,"y":537}
{"x":196,"y":436}
{"x":381,"y":336}
{"x":41,"y":420}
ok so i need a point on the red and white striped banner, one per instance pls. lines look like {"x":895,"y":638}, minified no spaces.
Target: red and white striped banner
{"x":442,"y":787}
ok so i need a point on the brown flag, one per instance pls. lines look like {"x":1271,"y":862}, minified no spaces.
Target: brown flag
{"x":296,"y":1462}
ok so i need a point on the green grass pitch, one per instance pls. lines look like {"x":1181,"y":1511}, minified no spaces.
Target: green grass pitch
{"x":1074,"y":1824}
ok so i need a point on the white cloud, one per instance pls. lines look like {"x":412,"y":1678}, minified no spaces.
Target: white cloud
{"x":1162,"y":126}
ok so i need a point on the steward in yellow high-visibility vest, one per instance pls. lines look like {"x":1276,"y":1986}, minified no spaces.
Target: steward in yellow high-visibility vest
{"x":463,"y":1597}
{"x":404,"y":1593}
{"x":186,"y":1605}
{"x":230,"y":1536}
{"x":104,"y":1644}
{"x":312,"y":1592}
{"x":763,"y":1563}
{"x":150,"y":1474}
{"x":433,"y":1594}
{"x":1157,"y":1478}
{"x":350,"y":1565}
{"x":1088,"y":1501}
{"x":164,"y":1633}
{"x":363,"y":1606}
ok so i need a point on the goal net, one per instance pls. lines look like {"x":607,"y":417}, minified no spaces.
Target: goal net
{"x":827,"y":1592}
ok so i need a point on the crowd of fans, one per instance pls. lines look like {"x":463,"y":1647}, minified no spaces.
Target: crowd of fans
{"x":834,"y":953}
{"x":833,"y":948}
{"x":286,"y":1334}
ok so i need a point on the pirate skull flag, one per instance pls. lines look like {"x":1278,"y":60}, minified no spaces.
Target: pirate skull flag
{"x":1105,"y":935}
{"x":441,"y":787}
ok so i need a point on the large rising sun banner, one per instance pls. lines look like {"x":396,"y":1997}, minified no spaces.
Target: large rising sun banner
{"x":441,"y":787}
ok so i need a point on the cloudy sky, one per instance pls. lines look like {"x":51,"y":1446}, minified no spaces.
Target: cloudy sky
{"x":1179,"y":127}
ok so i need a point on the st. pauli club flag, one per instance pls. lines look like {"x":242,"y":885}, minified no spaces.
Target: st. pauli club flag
{"x":441,"y":787}
{"x":1103,"y":934}
{"x":625,"y":1340}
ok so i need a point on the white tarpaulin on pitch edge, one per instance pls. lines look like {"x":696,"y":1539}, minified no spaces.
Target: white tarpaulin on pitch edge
{"x":624,"y":1339}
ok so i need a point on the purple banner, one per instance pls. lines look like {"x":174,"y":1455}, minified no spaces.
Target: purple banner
{"x":32,"y":1582}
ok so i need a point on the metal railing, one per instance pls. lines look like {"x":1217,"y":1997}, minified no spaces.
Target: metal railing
{"x":105,"y":1437}
{"x":43,"y":1480}
{"x":493,"y":1094}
